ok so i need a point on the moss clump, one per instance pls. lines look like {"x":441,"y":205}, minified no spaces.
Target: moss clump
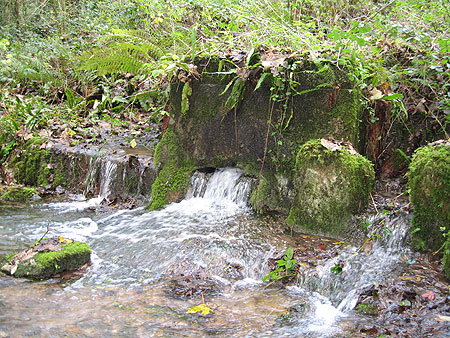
{"x":367,"y":309}
{"x":18,"y":193}
{"x":173,"y":179}
{"x":44,"y":265}
{"x":446,"y":257}
{"x":429,"y":180}
{"x":330,"y":187}
{"x":31,"y":164}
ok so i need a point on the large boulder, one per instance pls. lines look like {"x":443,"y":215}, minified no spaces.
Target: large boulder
{"x":46,"y":259}
{"x":429,"y":180}
{"x":332,"y":183}
{"x":235,"y":114}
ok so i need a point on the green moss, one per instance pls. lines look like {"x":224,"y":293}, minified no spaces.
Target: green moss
{"x":367,"y":309}
{"x":30,"y":165}
{"x":173,"y":179}
{"x":271,"y":194}
{"x":47,"y":264}
{"x":330,"y":186}
{"x":400,"y":159}
{"x":429,"y":180}
{"x":446,"y":256}
{"x":170,"y":185}
{"x":18,"y":193}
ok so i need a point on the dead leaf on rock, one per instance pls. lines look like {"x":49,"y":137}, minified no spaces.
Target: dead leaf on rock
{"x":330,"y":145}
{"x":322,"y":246}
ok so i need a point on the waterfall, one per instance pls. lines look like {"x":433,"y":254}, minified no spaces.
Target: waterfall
{"x":225,"y":184}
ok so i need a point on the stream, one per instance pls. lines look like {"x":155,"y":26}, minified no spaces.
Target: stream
{"x":149,"y":268}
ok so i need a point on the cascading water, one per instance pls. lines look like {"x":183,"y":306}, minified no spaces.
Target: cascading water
{"x":212,"y":237}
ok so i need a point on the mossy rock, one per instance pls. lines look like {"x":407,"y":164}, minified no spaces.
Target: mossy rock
{"x":18,"y":193}
{"x":174,"y":176}
{"x":332,"y":183}
{"x":429,"y":180}
{"x":367,"y":309}
{"x":51,"y":257}
{"x":211,"y":132}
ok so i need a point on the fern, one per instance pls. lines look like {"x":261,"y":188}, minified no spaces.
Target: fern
{"x":124,"y":51}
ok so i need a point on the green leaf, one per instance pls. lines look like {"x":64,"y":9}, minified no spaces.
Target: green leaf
{"x":261,"y":80}
{"x":236,"y":93}
{"x":289,"y":253}
{"x":392,"y":97}
{"x":187,"y":91}
{"x":249,"y":57}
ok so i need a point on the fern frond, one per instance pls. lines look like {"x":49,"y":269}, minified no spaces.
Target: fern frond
{"x":123,"y":51}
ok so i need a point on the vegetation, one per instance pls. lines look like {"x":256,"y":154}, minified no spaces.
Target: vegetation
{"x":64,"y":61}
{"x":285,"y":267}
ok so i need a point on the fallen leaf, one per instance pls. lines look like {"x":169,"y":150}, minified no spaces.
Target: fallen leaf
{"x":375,"y":94}
{"x":368,"y":247}
{"x":45,"y":133}
{"x":28,"y":136}
{"x":322,"y":246}
{"x":203,"y":308}
{"x":330,"y":144}
{"x":429,"y":295}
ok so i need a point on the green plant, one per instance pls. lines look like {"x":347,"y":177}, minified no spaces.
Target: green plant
{"x":285,"y":267}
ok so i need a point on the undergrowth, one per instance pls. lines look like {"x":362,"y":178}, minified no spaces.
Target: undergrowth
{"x":87,"y":58}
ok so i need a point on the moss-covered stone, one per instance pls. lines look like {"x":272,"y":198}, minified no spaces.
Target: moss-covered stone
{"x":30,"y":163}
{"x":18,"y":193}
{"x":44,"y":265}
{"x":323,"y":102}
{"x":330,"y":186}
{"x":367,"y":309}
{"x":429,"y":180}
{"x":273,"y":193}
{"x":173,"y":179}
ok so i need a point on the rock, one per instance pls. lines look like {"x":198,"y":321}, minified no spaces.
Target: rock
{"x":19,"y":193}
{"x":331,"y":185}
{"x":429,"y":180}
{"x":225,"y":123}
{"x":46,"y":259}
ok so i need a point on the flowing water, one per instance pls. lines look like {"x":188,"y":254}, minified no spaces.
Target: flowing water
{"x":149,"y":268}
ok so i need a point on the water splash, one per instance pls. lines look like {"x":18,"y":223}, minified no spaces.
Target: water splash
{"x":361,"y":269}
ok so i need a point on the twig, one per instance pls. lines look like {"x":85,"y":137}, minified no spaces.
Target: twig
{"x":374,"y":204}
{"x":45,"y":234}
{"x":267,"y":139}
{"x":437,"y":251}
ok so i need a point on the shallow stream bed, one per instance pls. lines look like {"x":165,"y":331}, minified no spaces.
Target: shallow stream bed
{"x":149,"y":269}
